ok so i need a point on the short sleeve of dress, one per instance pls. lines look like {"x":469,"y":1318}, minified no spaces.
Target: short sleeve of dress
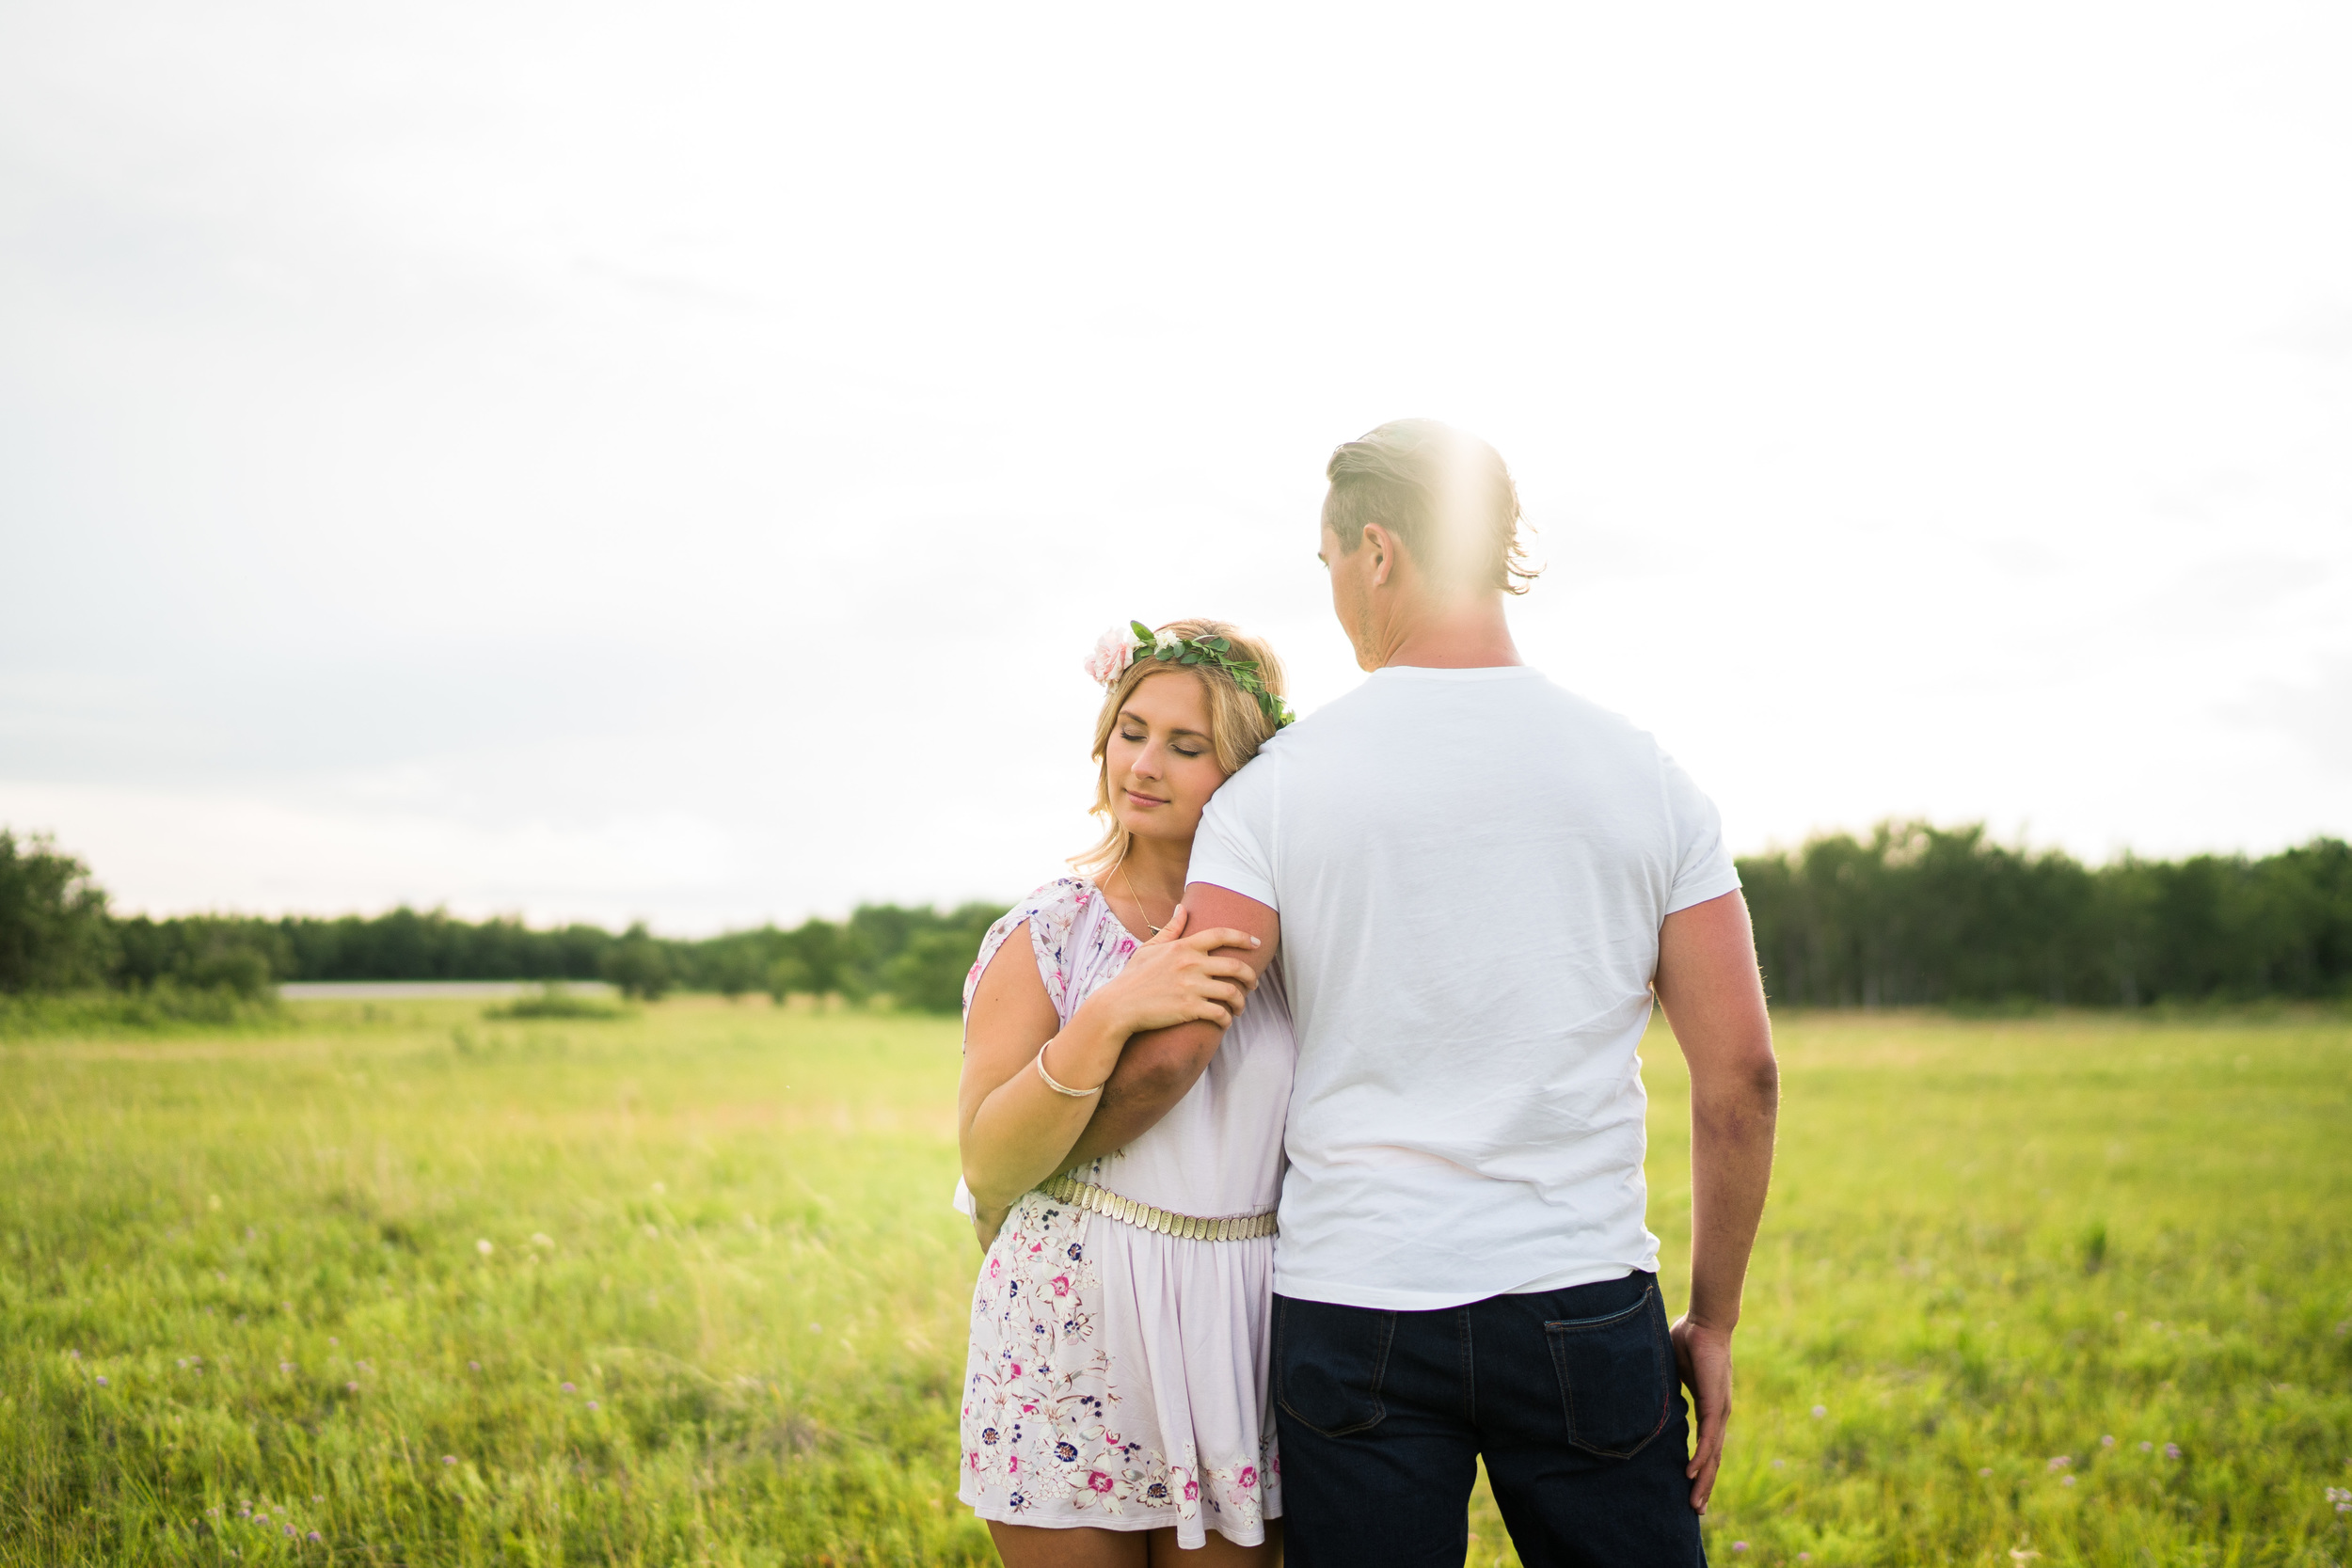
{"x":1052,"y":912}
{"x":1703,"y":866}
{"x":1235,"y":845}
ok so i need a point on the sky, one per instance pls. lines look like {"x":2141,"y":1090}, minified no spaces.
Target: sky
{"x":670,"y":462}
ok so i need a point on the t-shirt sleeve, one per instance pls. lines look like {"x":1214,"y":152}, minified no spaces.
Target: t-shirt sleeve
{"x":1703,"y":867}
{"x":1235,"y":847}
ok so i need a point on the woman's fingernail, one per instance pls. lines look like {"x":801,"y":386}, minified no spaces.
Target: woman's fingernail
{"x":1255,"y":943}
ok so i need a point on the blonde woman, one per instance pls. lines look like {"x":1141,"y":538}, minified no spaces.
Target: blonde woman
{"x":1115,"y":1398}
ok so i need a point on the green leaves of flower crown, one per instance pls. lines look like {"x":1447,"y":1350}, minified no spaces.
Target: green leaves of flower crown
{"x":1216,"y":651}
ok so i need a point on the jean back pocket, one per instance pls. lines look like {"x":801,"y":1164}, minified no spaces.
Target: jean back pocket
{"x":1329,"y":1361}
{"x":1616,"y":1376}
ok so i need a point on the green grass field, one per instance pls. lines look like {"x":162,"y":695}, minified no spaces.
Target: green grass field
{"x":684,"y":1286}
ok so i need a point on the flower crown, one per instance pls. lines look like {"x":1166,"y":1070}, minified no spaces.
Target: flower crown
{"x":1118,"y":648}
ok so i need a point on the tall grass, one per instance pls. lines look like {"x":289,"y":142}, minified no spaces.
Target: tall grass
{"x":720,"y":1310}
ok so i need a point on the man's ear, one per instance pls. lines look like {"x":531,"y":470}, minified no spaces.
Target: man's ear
{"x":1383,"y":546}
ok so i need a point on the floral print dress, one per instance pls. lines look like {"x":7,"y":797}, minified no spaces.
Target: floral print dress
{"x":1117,"y":1378}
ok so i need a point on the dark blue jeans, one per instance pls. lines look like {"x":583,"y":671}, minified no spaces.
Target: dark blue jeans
{"x":1570,"y":1395}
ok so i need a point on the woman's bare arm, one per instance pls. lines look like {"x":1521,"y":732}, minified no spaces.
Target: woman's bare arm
{"x":1012,"y":1129}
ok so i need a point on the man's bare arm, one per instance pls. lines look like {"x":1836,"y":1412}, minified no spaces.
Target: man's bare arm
{"x":1708,"y":982}
{"x":1159,"y":1069}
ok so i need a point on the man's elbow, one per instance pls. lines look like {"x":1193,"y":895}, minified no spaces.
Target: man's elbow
{"x":1736,"y":1093}
{"x":1162,"y":1068}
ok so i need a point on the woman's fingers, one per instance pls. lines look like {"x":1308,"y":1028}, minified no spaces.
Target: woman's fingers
{"x":1220,"y":936}
{"x":1173,"y":930}
{"x":1238,"y":973}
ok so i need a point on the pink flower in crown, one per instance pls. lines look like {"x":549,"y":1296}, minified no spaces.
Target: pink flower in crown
{"x":1113,"y":651}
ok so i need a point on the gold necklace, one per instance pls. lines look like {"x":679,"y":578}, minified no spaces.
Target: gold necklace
{"x":1140,"y":907}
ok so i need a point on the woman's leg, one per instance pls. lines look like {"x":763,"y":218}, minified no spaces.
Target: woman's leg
{"x":1030,"y":1546}
{"x":1217,"y":1552}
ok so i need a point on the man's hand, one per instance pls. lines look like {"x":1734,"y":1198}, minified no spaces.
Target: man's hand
{"x":1703,"y":1356}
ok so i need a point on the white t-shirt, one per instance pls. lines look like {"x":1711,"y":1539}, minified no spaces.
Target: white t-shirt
{"x":1472,"y":866}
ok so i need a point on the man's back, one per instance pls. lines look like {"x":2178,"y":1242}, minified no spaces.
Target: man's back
{"x":1471,"y":866}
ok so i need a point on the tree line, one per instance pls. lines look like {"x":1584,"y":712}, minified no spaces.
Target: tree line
{"x":1917,"y":914}
{"x":56,"y":934}
{"x":1914,"y":914}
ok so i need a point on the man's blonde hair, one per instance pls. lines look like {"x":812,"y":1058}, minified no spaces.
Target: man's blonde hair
{"x":1445,"y":494}
{"x":1237,"y":725}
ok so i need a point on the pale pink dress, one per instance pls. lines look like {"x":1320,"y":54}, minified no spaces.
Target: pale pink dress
{"x":1117,"y":1378}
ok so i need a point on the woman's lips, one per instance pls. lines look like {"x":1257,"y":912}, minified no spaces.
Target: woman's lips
{"x":1136,"y":798}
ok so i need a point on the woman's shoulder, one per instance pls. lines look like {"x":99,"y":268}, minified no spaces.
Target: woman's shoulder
{"x":1058,"y":902}
{"x":1053,"y":913}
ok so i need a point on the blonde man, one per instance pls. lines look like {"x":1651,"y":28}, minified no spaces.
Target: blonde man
{"x":1477,"y":883}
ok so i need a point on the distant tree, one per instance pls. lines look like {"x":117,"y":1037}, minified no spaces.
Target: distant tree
{"x":928,"y":971}
{"x":790,"y":977}
{"x":54,"y":930}
{"x":637,"y":966}
{"x":834,"y":960}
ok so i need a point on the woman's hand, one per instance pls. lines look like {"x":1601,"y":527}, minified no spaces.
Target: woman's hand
{"x":1175,"y":978}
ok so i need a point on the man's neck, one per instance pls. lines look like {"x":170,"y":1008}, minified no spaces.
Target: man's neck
{"x":1468,"y":634}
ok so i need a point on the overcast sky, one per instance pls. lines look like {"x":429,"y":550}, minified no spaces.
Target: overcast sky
{"x":670,"y":461}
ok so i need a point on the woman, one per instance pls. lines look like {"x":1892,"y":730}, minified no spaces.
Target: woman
{"x":1114,"y":1405}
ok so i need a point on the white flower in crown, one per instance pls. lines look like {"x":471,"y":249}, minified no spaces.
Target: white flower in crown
{"x":1164,"y":640}
{"x":1113,"y":651}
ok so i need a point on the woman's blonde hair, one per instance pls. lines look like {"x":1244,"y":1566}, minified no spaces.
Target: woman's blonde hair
{"x":1237,"y":724}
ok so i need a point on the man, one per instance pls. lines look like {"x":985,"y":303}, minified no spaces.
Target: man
{"x":1476,"y":882}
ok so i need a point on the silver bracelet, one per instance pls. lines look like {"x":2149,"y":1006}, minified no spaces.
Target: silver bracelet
{"x":1057,"y":1086}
